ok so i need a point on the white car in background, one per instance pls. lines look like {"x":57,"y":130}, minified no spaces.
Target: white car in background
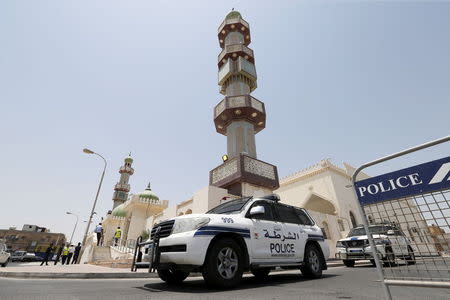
{"x":5,"y":257}
{"x":390,"y":244}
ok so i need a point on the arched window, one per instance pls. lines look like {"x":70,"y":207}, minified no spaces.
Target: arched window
{"x":352,"y":218}
{"x":180,"y":214}
{"x":188,"y":212}
{"x":325,"y":230}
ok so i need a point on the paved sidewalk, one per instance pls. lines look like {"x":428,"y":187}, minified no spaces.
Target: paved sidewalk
{"x":84,"y":271}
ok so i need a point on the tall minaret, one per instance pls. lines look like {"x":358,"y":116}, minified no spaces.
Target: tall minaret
{"x":122,"y":188}
{"x":239,"y":116}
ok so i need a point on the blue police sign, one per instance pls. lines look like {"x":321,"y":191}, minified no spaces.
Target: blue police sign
{"x":424,"y":178}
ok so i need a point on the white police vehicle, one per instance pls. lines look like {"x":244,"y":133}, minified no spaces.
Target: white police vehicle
{"x":390,"y":242}
{"x":253,"y":234}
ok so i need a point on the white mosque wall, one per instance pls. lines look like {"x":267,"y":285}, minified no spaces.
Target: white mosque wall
{"x":137,"y":225}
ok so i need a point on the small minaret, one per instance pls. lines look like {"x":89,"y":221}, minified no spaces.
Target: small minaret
{"x":240,"y":116}
{"x":122,"y":188}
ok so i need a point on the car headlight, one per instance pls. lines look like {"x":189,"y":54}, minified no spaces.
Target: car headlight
{"x":381,"y":242}
{"x":189,"y":224}
{"x":340,"y":244}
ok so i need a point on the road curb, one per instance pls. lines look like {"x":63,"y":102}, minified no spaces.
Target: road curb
{"x":41,"y":275}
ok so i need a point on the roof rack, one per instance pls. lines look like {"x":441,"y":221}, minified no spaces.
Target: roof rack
{"x":272,"y":197}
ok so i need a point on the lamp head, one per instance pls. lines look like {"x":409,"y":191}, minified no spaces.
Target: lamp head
{"x":86,"y":150}
{"x":224,"y":158}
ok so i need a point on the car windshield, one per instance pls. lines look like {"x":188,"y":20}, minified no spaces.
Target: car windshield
{"x":230,"y":207}
{"x":378,"y":229}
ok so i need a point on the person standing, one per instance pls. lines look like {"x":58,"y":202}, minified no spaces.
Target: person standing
{"x":58,"y":254}
{"x":99,"y":231}
{"x":76,"y":254}
{"x":65,"y":253}
{"x":117,"y":235}
{"x":48,"y":252}
{"x":71,"y":252}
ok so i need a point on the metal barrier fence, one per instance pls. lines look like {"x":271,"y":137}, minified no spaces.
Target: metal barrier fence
{"x":407,"y":216}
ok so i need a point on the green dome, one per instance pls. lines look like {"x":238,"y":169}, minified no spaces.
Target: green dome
{"x":233,"y":15}
{"x":129,"y":159}
{"x":119,"y":212}
{"x":148,"y":194}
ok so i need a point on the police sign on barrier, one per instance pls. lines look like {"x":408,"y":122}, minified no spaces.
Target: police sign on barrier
{"x":406,"y":216}
{"x":420,"y":179}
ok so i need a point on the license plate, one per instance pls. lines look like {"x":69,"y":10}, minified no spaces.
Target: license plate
{"x":355,"y":250}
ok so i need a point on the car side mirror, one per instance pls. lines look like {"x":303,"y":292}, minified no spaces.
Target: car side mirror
{"x":390,"y":232}
{"x":257,"y":210}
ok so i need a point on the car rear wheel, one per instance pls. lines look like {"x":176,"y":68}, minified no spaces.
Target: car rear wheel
{"x":224,"y":264}
{"x":349,"y":263}
{"x":261,"y":273}
{"x":312,"y":265}
{"x":172,"y":276}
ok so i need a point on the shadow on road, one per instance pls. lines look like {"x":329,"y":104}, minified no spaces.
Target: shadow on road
{"x":199,"y":286}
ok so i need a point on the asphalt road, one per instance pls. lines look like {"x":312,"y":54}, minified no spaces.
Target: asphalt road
{"x":337,"y":283}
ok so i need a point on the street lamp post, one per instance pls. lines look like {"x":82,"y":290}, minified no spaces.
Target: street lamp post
{"x":96,"y":196}
{"x":75,"y":227}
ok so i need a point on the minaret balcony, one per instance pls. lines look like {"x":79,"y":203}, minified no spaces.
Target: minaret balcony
{"x":237,"y":108}
{"x":231,"y":25}
{"x":122,"y":187}
{"x":233,"y":51}
{"x":126,"y":169}
{"x":244,"y":168}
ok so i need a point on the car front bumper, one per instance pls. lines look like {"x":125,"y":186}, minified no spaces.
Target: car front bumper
{"x":182,"y":249}
{"x":359,"y":253}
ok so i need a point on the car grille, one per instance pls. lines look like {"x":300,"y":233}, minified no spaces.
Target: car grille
{"x":166,"y":229}
{"x":355,"y":243}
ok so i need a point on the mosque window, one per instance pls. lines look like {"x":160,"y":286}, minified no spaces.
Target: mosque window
{"x":188,"y":212}
{"x":352,"y":218}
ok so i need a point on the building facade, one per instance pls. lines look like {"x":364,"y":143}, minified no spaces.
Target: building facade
{"x":36,"y":240}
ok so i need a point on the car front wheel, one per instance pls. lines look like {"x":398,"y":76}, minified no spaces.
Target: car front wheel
{"x":224,"y":264}
{"x":172,"y":276}
{"x":389,"y":260}
{"x":349,"y":263}
{"x":312,"y":266}
{"x":411,"y":259}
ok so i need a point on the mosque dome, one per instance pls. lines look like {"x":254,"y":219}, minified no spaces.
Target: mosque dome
{"x":129,"y":159}
{"x":148,"y":194}
{"x":119,"y":211}
{"x":233,"y":15}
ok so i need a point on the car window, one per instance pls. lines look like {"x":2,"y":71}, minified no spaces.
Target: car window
{"x":287,"y":214}
{"x":268,"y":211}
{"x":304,"y":219}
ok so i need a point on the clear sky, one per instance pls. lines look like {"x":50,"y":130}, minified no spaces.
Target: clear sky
{"x":346,"y":80}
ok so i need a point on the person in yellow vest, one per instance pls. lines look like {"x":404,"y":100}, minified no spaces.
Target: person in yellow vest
{"x":65,"y":253}
{"x":117,"y":235}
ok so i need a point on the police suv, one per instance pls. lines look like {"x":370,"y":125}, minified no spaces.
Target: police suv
{"x":253,"y":234}
{"x":390,"y":242}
